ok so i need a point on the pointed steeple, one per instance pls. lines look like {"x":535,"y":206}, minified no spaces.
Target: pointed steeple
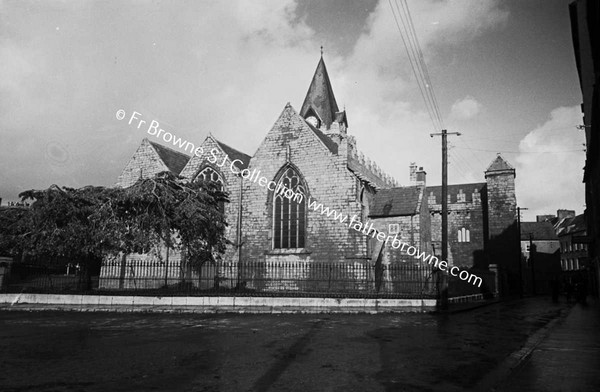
{"x":320,"y":101}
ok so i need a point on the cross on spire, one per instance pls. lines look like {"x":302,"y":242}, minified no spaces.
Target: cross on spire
{"x":321,"y":50}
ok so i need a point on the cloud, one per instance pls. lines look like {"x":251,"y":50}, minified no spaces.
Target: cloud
{"x":221,"y":67}
{"x":224,"y":67}
{"x":376,"y":82}
{"x":549,"y":168}
{"x":465,"y":108}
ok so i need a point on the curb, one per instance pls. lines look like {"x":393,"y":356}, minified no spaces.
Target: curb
{"x":86,"y":303}
{"x":518,"y":358}
{"x":210,"y":310}
{"x":476,"y":305}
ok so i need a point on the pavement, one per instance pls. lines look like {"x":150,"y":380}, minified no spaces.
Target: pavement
{"x":566,"y":359}
{"x":99,"y":351}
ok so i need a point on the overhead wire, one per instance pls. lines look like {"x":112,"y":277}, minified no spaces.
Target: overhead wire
{"x":464,"y":141}
{"x":464,"y":163}
{"x":521,"y":152}
{"x":458,"y":166}
{"x":429,"y":84}
{"x":416,"y":61}
{"x":549,"y":130}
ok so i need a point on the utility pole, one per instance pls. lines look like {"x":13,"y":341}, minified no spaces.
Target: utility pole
{"x":531,"y":252}
{"x":519,"y":248}
{"x":444,"y":277}
{"x":239,"y":234}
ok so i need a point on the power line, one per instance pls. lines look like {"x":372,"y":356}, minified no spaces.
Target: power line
{"x":423,"y":64}
{"x":413,"y":67}
{"x":415,"y":56}
{"x":545,"y":131}
{"x":549,"y":130}
{"x":461,"y":171}
{"x":475,"y":155}
{"x":467,"y":164}
{"x":520,"y":152}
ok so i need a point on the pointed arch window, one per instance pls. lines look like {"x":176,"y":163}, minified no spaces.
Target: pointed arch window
{"x":464,"y":235}
{"x":210,"y":174}
{"x":289,"y":214}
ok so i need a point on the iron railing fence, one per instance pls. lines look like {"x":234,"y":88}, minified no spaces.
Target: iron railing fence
{"x":142,"y":276}
{"x":43,"y":279}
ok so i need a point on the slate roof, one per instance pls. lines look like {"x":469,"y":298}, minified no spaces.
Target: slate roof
{"x":467,"y":189}
{"x":499,"y":164}
{"x":401,"y":201}
{"x":571,"y":225}
{"x":174,"y":160}
{"x":320,"y":96}
{"x":234,"y":154}
{"x":540,"y":231}
{"x":330,"y":144}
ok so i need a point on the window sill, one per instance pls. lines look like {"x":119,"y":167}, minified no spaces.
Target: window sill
{"x":291,"y":251}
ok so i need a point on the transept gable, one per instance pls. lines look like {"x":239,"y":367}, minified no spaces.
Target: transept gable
{"x":288,"y":129}
{"x":198,"y":163}
{"x":174,"y":160}
{"x":149,"y":159}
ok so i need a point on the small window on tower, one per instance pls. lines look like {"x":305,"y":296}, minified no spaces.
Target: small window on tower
{"x":394,"y":228}
{"x":464,"y":235}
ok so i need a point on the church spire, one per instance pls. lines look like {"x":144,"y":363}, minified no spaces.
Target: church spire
{"x":320,"y":101}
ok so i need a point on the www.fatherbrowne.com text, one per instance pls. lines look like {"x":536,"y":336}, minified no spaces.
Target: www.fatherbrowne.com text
{"x":254,"y":176}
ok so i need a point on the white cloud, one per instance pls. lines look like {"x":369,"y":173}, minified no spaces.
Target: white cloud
{"x":224,"y":67}
{"x":549,"y":168}
{"x":377,"y":84}
{"x":465,"y":108}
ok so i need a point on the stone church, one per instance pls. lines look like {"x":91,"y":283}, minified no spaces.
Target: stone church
{"x":311,"y":152}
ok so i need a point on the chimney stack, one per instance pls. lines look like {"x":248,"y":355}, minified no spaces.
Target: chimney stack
{"x":565,"y":214}
{"x":413,"y":173}
{"x":420,"y":177}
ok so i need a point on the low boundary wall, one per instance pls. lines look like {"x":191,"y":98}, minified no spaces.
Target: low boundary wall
{"x":212,"y":304}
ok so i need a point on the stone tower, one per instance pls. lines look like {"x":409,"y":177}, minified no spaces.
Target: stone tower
{"x":502,"y":236}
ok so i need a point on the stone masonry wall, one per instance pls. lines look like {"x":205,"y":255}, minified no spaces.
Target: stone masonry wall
{"x":144,"y":163}
{"x":502,"y":245}
{"x":231,"y":184}
{"x":328,"y":181}
{"x":502,"y":214}
{"x":461,"y":214}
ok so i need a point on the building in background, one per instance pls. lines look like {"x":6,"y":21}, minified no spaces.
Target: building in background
{"x":540,"y":249}
{"x":585,"y":28}
{"x":572,"y":234}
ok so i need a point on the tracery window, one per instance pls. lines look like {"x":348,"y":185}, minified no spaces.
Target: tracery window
{"x":210,"y":174}
{"x":289,"y":214}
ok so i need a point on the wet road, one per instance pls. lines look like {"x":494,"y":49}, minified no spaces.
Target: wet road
{"x":69,"y":351}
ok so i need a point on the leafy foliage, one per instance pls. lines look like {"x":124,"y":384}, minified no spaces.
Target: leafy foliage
{"x":98,"y":221}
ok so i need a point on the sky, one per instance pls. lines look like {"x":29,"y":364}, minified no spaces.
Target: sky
{"x":503,"y":73}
